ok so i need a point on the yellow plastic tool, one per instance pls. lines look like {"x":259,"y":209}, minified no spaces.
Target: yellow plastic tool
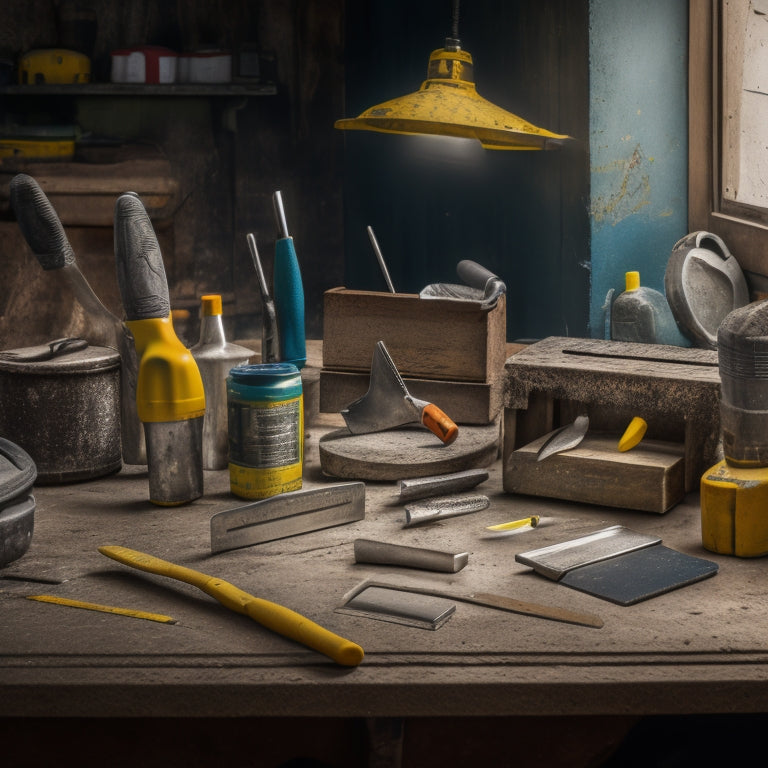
{"x":103,"y":608}
{"x":633,"y":434}
{"x":169,"y":386}
{"x":271,"y":615}
{"x":733,"y":504}
{"x":526,"y":522}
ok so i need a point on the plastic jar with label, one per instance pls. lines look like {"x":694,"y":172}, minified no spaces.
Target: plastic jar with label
{"x":265,"y":415}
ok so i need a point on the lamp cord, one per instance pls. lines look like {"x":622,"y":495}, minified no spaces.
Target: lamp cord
{"x":453,"y":43}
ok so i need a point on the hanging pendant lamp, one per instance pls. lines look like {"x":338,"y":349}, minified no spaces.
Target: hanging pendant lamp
{"x":448,"y":104}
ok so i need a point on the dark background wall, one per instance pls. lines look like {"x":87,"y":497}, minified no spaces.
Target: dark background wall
{"x":522,"y":214}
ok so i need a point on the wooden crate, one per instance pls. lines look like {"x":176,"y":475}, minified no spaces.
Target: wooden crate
{"x":449,"y":353}
{"x":675,"y":389}
{"x":426,"y":338}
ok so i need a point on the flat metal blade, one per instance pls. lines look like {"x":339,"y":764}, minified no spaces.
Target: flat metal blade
{"x":287,"y":514}
{"x":386,"y":404}
{"x":564,"y":438}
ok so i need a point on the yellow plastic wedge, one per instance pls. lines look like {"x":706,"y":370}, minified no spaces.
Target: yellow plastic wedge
{"x":271,"y":615}
{"x":633,"y":434}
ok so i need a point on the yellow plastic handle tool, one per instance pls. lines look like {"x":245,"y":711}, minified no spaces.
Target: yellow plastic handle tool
{"x":271,"y":615}
{"x":438,"y":422}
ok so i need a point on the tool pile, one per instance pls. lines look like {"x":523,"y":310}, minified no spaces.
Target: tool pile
{"x":183,"y":411}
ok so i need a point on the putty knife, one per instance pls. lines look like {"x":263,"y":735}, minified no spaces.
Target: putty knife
{"x":388,"y":404}
{"x":287,"y":514}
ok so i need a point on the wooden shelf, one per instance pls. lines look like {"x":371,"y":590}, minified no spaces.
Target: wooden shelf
{"x":139,"y":89}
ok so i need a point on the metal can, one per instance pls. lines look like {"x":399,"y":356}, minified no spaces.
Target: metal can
{"x":265,"y":416}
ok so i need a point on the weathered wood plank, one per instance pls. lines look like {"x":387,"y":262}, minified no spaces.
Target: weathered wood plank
{"x":649,"y":478}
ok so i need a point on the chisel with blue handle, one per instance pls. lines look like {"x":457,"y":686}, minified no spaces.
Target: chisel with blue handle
{"x":288,"y":293}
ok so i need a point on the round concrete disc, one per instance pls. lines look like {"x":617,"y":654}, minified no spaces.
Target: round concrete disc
{"x":401,"y":454}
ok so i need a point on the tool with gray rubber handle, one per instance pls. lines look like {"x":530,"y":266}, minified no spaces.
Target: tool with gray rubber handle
{"x":169,"y":393}
{"x":45,"y":235}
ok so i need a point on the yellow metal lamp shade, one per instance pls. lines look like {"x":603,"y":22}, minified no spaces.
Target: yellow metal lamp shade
{"x":447,"y":104}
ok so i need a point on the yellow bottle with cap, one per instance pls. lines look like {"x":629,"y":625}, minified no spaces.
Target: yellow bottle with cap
{"x":642,"y":314}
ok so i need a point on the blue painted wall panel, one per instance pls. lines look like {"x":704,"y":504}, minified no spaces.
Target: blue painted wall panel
{"x":638,"y":142}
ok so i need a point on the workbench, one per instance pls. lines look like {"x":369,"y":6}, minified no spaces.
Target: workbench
{"x":696,"y":650}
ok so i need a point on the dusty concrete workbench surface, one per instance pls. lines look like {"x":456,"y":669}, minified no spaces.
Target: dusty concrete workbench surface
{"x":702,"y":648}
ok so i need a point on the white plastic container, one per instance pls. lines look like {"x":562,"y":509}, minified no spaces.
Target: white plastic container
{"x":145,"y":64}
{"x":208,"y":66}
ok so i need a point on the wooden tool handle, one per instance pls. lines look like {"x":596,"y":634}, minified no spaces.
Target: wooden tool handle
{"x":438,"y":422}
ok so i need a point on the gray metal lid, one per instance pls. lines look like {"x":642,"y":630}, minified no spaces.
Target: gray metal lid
{"x":703,"y":282}
{"x":61,"y":356}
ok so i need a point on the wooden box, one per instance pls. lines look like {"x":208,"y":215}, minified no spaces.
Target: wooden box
{"x":448,"y":352}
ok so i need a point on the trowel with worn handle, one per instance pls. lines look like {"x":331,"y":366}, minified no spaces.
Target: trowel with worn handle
{"x":388,"y":404}
{"x":45,"y":235}
{"x":170,"y":397}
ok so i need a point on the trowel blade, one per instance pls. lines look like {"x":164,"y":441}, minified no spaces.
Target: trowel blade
{"x":287,"y":514}
{"x":564,"y":438}
{"x":386,"y":404}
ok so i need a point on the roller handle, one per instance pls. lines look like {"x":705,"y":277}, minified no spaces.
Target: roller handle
{"x":476,"y":275}
{"x":39,"y":223}
{"x":140,"y":270}
{"x":439,"y":423}
{"x":276,"y":617}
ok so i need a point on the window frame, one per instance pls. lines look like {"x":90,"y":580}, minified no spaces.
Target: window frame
{"x":742,"y":228}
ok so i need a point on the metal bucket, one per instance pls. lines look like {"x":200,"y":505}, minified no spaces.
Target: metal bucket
{"x":63,"y":411}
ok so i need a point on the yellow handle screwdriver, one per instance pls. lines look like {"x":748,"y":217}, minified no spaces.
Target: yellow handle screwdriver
{"x":271,"y":615}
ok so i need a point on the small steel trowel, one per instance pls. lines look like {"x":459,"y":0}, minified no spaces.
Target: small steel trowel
{"x":388,"y":404}
{"x":565,"y":438}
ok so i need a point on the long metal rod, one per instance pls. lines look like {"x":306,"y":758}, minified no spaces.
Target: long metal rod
{"x":380,"y":257}
{"x":277,"y":204}
{"x":257,"y":264}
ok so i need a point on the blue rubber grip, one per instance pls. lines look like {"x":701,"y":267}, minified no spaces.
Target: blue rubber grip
{"x":289,"y":304}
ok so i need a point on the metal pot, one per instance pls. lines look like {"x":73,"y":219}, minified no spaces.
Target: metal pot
{"x":61,"y":403}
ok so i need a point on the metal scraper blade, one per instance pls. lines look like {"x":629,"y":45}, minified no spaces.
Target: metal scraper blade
{"x":287,"y":514}
{"x":565,"y":438}
{"x":387,"y":404}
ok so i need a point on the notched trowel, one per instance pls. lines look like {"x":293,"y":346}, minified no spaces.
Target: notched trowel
{"x":387,"y":404}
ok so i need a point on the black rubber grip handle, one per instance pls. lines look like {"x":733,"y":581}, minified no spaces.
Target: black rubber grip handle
{"x":140,"y":270}
{"x":474,"y":274}
{"x":39,"y":223}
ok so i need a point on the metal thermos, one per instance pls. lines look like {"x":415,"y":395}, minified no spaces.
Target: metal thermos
{"x":215,"y":358}
{"x":742,"y":349}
